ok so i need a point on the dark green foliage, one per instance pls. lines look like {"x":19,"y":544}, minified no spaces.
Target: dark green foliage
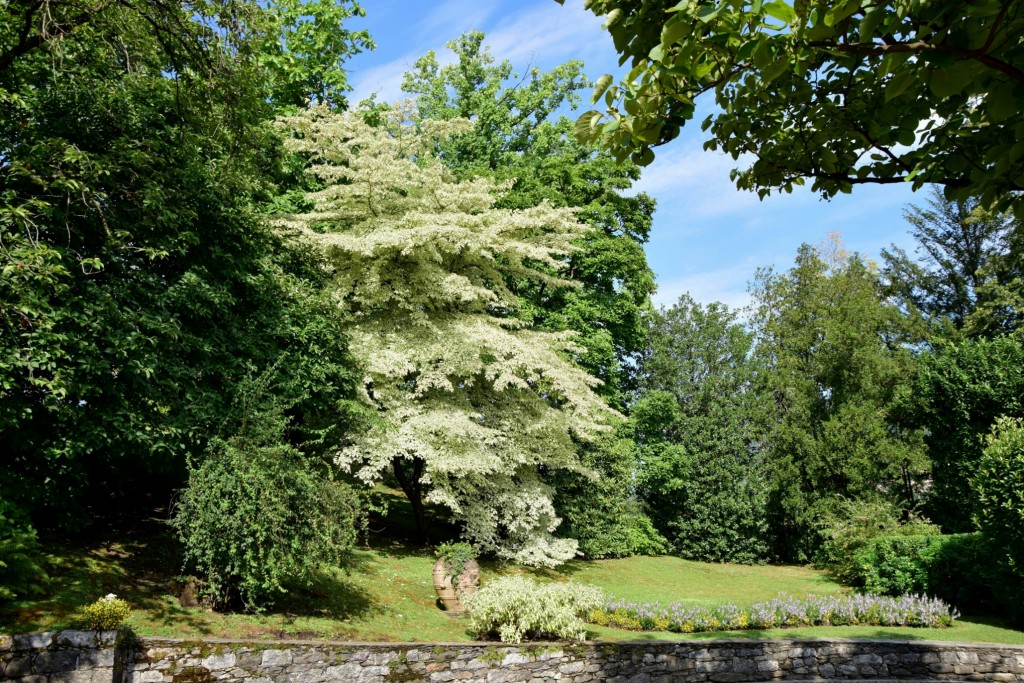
{"x":965,"y":570}
{"x":139,"y":281}
{"x":257,"y":516}
{"x":603,"y":513}
{"x":962,"y":389}
{"x":838,"y":370}
{"x":1000,"y":485}
{"x":852,"y":524}
{"x":697,"y":428}
{"x":21,"y":565}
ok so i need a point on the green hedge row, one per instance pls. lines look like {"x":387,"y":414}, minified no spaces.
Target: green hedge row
{"x":965,"y":570}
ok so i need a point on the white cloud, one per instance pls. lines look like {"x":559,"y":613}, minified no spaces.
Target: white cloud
{"x":727,"y":285}
{"x":383,"y":80}
{"x":547,"y":33}
{"x":540,"y":35}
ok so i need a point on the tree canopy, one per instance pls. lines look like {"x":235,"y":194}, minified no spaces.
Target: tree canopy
{"x":140,"y":283}
{"x":520,"y":137}
{"x":969,"y":273}
{"x":472,"y":401}
{"x":837,"y":93}
{"x":838,"y":372}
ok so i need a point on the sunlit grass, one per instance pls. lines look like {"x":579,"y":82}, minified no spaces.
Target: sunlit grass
{"x":386,"y":594}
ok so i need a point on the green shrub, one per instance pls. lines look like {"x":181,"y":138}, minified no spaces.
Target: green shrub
{"x":456,"y":557}
{"x":515,"y":607}
{"x":964,"y":570}
{"x":849,"y":526}
{"x":21,"y":566}
{"x":107,"y":614}
{"x":256,"y":517}
{"x":1000,"y":486}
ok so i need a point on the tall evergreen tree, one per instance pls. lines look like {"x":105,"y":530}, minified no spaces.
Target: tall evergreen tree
{"x":968,"y":276}
{"x":838,"y":372}
{"x":699,"y":426}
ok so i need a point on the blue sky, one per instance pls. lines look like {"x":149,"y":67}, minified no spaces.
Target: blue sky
{"x":708,"y":237}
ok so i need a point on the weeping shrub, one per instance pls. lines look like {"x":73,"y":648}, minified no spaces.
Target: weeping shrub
{"x":256,"y":518}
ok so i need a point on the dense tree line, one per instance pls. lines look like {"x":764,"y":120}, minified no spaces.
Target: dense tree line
{"x":223,"y":283}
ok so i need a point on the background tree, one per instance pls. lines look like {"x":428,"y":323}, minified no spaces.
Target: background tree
{"x":963,"y":388}
{"x":838,"y":373}
{"x":140,"y":283}
{"x":698,"y":425}
{"x":836,"y":93}
{"x":520,"y":137}
{"x":472,"y":401}
{"x":968,"y":265}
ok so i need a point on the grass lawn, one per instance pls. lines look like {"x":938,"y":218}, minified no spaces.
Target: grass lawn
{"x":387,"y":595}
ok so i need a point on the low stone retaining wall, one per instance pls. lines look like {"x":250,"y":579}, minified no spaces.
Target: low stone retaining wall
{"x":89,"y":657}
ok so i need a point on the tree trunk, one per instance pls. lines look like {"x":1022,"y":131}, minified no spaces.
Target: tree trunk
{"x":412,"y":487}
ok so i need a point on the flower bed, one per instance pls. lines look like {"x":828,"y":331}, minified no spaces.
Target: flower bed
{"x":779,"y":612}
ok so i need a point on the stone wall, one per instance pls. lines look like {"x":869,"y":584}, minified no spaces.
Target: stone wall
{"x":83,"y":657}
{"x":59,"y":657}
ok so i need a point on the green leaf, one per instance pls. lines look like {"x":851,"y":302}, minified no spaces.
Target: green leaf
{"x":1003,"y":103}
{"x":585,"y":126}
{"x":868,"y":23}
{"x":898,"y":84}
{"x":657,"y":53}
{"x":675,"y":29}
{"x":600,"y":86}
{"x":781,"y":11}
{"x":775,"y":69}
{"x":709,"y":12}
{"x":840,"y":12}
{"x":613,"y":18}
{"x":951,"y":80}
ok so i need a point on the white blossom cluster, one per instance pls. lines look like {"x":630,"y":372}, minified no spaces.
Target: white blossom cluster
{"x":423,"y":265}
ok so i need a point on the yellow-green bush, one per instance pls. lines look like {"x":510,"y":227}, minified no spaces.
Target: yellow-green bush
{"x":107,"y":614}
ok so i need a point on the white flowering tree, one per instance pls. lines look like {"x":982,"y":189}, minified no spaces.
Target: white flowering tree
{"x":473,"y":403}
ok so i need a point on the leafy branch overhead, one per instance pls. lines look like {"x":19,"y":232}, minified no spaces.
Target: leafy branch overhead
{"x":837,"y":93}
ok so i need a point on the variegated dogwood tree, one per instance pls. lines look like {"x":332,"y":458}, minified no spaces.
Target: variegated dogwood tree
{"x":472,"y":402}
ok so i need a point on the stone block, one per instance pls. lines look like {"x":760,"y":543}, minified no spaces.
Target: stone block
{"x":82,"y":676}
{"x":96,"y":659}
{"x":6,"y":643}
{"x":55,"y":661}
{"x":729,"y":677}
{"x":514,"y":658}
{"x":826,"y":671}
{"x":33,"y":641}
{"x":497,"y":676}
{"x":572,"y":667}
{"x":220,"y":662}
{"x":76,"y":638}
{"x":276,"y":658}
{"x":18,"y":666}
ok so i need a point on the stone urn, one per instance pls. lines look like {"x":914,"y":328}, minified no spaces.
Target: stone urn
{"x":450,"y":588}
